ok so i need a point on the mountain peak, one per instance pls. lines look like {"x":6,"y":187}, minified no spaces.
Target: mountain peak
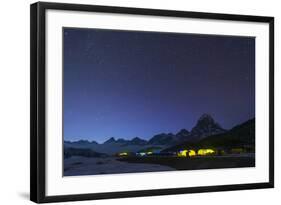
{"x":206,"y":117}
{"x":138,"y":141}
{"x":206,"y":126}
{"x":82,"y":142}
{"x":183,"y":135}
{"x":121,"y":141}
{"x":162,"y":139}
{"x":183,"y":132}
{"x":110,"y":140}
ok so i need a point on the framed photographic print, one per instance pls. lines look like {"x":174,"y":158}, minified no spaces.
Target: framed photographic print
{"x":129,"y":102}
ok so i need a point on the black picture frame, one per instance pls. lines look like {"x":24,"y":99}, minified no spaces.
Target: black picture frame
{"x":38,"y":101}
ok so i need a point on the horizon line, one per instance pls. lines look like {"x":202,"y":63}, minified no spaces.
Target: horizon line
{"x":129,"y":139}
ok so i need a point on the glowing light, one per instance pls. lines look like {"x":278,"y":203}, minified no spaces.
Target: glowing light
{"x":149,"y":153}
{"x":191,"y":153}
{"x":123,"y":154}
{"x":141,"y":154}
{"x":182,"y":153}
{"x":205,"y":152}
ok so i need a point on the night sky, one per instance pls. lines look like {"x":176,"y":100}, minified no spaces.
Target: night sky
{"x":125,"y":84}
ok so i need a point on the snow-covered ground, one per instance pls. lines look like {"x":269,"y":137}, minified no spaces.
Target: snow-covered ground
{"x":75,"y":165}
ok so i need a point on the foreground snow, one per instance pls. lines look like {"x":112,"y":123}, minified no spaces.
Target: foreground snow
{"x":89,"y":166}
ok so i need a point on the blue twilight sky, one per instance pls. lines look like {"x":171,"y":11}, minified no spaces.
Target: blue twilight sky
{"x":125,"y":84}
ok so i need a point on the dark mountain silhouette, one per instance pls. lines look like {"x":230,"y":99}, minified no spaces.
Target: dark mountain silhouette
{"x":134,"y":141}
{"x":242,"y":135}
{"x":206,"y":126}
{"x":162,"y":139}
{"x":110,"y":141}
{"x":206,"y":133}
{"x":183,"y":135}
{"x":137,"y":141}
{"x":122,"y":141}
{"x":82,"y":142}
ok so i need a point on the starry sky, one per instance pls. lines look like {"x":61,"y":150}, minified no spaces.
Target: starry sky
{"x":127,"y":84}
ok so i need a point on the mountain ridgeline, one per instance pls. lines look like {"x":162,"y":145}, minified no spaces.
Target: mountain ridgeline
{"x":206,"y":133}
{"x":240,"y":136}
